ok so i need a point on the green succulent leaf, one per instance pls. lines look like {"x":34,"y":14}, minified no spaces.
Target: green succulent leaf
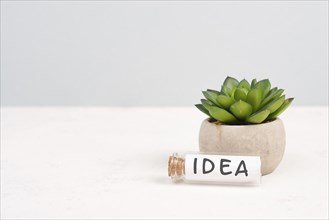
{"x":222,"y":115}
{"x":211,"y":96}
{"x":225,"y":91}
{"x":244,"y":84}
{"x":241,"y":109}
{"x":240,"y":94}
{"x":202,"y":109}
{"x":228,"y":92}
{"x":277,"y":93}
{"x":253,"y":83}
{"x":254,"y":98}
{"x":258,"y":117}
{"x":206,"y":103}
{"x":271,"y":96}
{"x":272,"y":91}
{"x":233,"y":92}
{"x":265,"y":86}
{"x":230,"y":82}
{"x":225,"y":101}
{"x":282,"y":108}
{"x":214,"y":91}
{"x":275,"y":104}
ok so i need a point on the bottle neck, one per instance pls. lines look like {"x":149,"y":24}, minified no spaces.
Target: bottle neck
{"x":176,"y":167}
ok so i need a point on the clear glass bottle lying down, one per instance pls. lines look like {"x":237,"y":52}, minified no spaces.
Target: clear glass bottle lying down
{"x":216,"y":169}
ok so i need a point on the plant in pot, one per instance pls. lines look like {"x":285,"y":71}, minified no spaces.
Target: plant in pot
{"x":243,"y":119}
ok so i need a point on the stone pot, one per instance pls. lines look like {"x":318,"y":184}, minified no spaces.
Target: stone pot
{"x":266,"y":140}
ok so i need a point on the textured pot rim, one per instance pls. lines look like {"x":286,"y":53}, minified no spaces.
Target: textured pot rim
{"x":250,"y":125}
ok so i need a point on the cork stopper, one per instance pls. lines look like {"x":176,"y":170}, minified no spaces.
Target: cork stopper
{"x":176,"y":167}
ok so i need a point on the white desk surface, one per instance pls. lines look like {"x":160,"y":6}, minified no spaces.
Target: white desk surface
{"x":99,"y":162}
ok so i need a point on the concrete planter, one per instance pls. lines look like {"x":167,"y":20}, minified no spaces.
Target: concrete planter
{"x":266,"y":140}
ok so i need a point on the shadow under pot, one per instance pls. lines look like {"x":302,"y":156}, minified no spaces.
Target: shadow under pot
{"x":266,"y":140}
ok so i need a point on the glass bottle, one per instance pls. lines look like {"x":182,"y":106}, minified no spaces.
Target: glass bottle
{"x":214,"y":168}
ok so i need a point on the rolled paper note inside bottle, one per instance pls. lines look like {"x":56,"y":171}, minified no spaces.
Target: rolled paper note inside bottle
{"x":214,"y":168}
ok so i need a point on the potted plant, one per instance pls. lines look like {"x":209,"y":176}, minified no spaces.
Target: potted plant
{"x":243,"y":119}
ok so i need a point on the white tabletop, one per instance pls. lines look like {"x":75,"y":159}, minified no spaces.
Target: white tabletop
{"x":99,"y":162}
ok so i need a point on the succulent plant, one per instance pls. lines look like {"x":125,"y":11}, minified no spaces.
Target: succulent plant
{"x":241,"y":102}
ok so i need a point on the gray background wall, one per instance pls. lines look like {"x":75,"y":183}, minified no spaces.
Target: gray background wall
{"x":159,"y":53}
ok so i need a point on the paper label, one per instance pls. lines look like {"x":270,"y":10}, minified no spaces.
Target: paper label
{"x":222,"y":168}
